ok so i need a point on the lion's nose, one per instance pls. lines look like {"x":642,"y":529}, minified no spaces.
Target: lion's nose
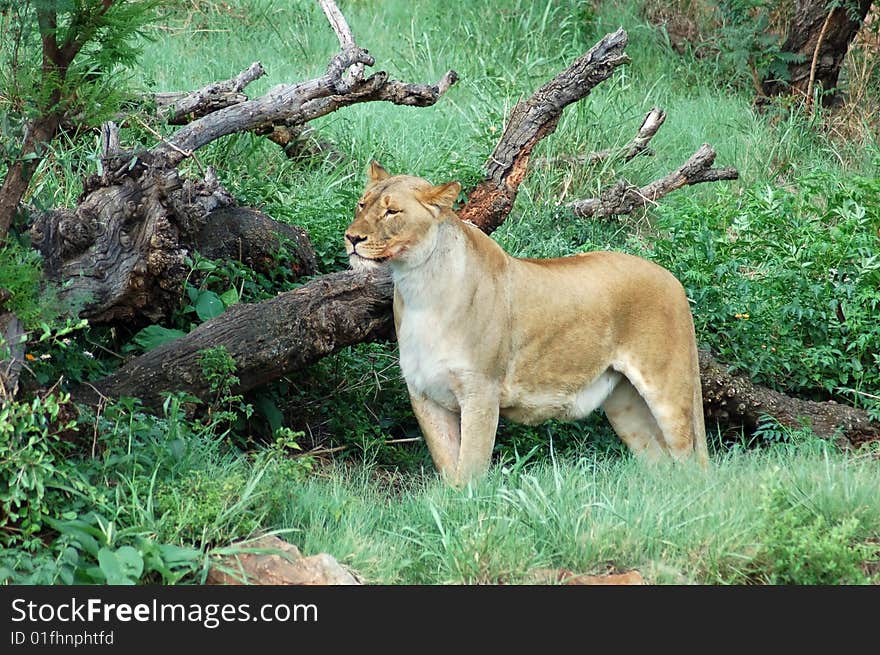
{"x":354,"y":238}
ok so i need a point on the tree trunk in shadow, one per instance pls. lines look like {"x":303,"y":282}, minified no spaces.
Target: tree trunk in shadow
{"x":821,"y":37}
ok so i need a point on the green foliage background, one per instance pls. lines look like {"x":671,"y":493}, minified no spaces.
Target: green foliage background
{"x":782,"y":268}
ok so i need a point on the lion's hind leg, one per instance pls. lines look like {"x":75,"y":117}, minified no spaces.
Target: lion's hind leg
{"x":634,"y":423}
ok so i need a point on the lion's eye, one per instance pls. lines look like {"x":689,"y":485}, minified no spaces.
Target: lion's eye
{"x":360,"y":205}
{"x":391,"y":212}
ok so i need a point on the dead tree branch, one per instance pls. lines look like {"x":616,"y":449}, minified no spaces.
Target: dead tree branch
{"x":624,"y":197}
{"x":343,"y":33}
{"x":530,"y":121}
{"x":179,"y":108}
{"x":733,"y":399}
{"x":291,"y":105}
{"x":268,"y":340}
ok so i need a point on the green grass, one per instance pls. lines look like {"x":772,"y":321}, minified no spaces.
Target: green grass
{"x":675,"y":524}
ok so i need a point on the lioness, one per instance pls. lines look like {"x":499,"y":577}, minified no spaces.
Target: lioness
{"x":482,"y":333}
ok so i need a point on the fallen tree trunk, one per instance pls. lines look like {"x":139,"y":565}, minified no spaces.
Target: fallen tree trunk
{"x":299,"y":327}
{"x":267,"y":340}
{"x":733,"y":399}
{"x":295,"y":329}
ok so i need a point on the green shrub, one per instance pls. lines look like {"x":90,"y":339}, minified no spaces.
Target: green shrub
{"x":21,"y":270}
{"x":91,"y":550}
{"x":28,"y":467}
{"x":802,"y":546}
{"x":785,"y":281}
{"x":208,"y":506}
{"x":157,"y":493}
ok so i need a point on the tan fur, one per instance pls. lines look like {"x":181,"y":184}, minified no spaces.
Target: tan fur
{"x":482,"y":333}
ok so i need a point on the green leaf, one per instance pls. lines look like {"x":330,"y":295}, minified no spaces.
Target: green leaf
{"x":80,"y":531}
{"x":112,"y":568}
{"x":175,"y":556}
{"x":205,"y":265}
{"x":131,"y":562}
{"x":229,"y":297}
{"x":209,"y":305}
{"x":154,"y":336}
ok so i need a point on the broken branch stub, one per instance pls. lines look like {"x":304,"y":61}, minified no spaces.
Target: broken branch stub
{"x":651,"y":124}
{"x":624,"y":198}
{"x":179,"y":108}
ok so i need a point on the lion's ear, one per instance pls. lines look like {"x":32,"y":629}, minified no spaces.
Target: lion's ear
{"x":441,"y":196}
{"x":376,"y":173}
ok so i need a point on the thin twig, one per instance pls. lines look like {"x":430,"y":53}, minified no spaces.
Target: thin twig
{"x":172,"y":145}
{"x":339,"y":449}
{"x":815,"y":62}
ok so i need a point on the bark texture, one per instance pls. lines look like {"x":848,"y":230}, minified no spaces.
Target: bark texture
{"x":19,"y":174}
{"x":732,"y":399}
{"x":121,"y":254}
{"x":267,"y":340}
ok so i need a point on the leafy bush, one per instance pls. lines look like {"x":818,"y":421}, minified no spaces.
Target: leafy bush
{"x":28,"y":466}
{"x":159,"y":492}
{"x":785,"y":281}
{"x":749,"y":48}
{"x":92,"y":551}
{"x":20,"y":274}
{"x":736,"y":42}
{"x":802,"y":546}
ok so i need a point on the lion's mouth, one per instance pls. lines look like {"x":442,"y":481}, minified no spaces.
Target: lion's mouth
{"x":378,"y":260}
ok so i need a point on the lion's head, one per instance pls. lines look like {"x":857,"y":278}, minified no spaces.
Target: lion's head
{"x":397,"y":218}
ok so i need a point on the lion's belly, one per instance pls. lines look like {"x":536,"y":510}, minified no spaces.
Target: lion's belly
{"x":531,"y":406}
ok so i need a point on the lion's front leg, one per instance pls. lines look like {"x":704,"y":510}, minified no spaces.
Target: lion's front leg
{"x":479,"y":423}
{"x":441,"y":430}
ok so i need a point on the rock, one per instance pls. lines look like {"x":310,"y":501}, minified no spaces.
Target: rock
{"x":272,"y":561}
{"x":627,"y":578}
{"x":566,"y":577}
